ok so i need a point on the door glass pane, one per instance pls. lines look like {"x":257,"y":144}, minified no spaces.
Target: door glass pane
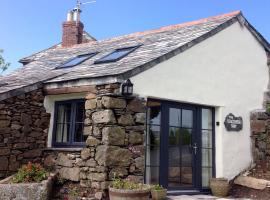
{"x":154,"y":113}
{"x":206,"y":119}
{"x":152,"y":156}
{"x":179,"y":144}
{"x":207,"y":146}
{"x":206,"y":139}
{"x":152,"y":175}
{"x":174,"y":158}
{"x":187,"y":118}
{"x":206,"y":176}
{"x":153,"y":142}
{"x":186,"y":178}
{"x":174,"y":176}
{"x":153,"y":135}
{"x":174,"y":136}
{"x":175,"y":117}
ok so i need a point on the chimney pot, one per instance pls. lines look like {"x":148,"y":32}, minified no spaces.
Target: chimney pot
{"x":70,"y":16}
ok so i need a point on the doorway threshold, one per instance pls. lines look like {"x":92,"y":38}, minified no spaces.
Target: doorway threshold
{"x":187,"y":192}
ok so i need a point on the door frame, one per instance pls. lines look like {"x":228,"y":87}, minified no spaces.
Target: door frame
{"x":197,"y":119}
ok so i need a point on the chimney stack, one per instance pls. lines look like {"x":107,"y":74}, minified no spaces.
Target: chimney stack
{"x":72,"y":29}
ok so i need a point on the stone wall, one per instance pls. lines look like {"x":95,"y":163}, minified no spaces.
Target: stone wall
{"x":115,"y":128}
{"x":260,"y":134}
{"x":23,"y":131}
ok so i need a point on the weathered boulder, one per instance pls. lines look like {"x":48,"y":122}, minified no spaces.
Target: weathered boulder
{"x":251,"y":182}
{"x":135,"y":138}
{"x":126,"y":120}
{"x":111,"y":102}
{"x":112,"y":156}
{"x":63,"y":160}
{"x":32,"y":153}
{"x":3,"y":163}
{"x":118,"y":173}
{"x":85,"y":153}
{"x":4,"y":152}
{"x":140,"y":118}
{"x":104,"y":116}
{"x":91,"y":163}
{"x":97,"y":176}
{"x":4,"y":123}
{"x":113,"y":135}
{"x":26,"y":119}
{"x":90,"y":104}
{"x":92,"y":142}
{"x":139,"y":163}
{"x":136,"y":106}
{"x":87,"y":130}
{"x":72,"y":174}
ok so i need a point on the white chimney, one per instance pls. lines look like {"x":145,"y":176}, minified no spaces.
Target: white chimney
{"x":70,"y":16}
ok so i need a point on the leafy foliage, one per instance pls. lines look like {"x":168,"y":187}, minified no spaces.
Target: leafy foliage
{"x":157,"y":187}
{"x":127,"y":185}
{"x":30,"y":173}
{"x":3,"y":64}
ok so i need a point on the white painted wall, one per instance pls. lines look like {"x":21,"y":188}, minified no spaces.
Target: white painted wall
{"x":49,"y":104}
{"x":228,"y":71}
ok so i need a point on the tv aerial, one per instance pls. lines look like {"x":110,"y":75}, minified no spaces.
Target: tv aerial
{"x":77,"y":10}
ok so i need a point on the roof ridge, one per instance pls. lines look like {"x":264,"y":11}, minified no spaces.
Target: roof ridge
{"x":176,"y":26}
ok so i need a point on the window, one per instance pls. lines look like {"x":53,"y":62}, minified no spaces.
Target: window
{"x":116,"y":55}
{"x":69,"y":123}
{"x":77,"y":60}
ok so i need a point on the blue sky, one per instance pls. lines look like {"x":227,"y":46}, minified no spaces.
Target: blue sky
{"x":28,"y":26}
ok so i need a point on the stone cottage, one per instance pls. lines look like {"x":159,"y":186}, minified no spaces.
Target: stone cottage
{"x":169,"y":106}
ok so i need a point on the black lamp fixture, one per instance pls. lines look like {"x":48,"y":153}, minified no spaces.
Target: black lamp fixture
{"x":127,"y":88}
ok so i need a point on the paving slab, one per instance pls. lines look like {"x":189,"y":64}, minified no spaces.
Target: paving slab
{"x":201,"y":197}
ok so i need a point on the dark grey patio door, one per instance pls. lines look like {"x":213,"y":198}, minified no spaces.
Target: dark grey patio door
{"x":179,"y":147}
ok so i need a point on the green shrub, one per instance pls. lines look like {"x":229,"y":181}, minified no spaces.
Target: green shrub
{"x":30,"y":173}
{"x":127,"y":185}
{"x":157,"y":187}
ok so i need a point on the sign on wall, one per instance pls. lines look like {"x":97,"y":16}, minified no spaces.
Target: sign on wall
{"x":233,"y":123}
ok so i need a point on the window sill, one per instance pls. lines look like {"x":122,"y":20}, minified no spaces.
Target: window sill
{"x":64,"y":149}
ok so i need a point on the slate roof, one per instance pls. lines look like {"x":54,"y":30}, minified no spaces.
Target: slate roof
{"x":156,"y":46}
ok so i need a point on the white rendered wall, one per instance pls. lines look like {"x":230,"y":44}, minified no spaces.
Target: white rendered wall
{"x":228,"y":71}
{"x":49,"y":104}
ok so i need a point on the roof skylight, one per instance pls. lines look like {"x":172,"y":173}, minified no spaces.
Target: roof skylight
{"x":116,"y":55}
{"x":77,"y":60}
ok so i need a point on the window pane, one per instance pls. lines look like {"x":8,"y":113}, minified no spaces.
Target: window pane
{"x":175,"y":117}
{"x":152,"y":156}
{"x":63,"y":123}
{"x":117,"y":54}
{"x":62,"y":133}
{"x":187,"y":118}
{"x":77,"y":60}
{"x":63,"y":113}
{"x":206,"y":176}
{"x":80,"y":112}
{"x":206,"y":119}
{"x":78,"y":135}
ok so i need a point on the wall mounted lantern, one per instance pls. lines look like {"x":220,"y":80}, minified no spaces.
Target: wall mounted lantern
{"x":127,"y":88}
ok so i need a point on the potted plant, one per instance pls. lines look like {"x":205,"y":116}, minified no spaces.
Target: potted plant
{"x":158,"y":192}
{"x":128,"y":190}
{"x":31,"y":181}
{"x":220,"y":187}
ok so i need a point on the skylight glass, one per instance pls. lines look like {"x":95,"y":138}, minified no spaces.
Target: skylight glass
{"x":77,"y":60}
{"x":116,"y":55}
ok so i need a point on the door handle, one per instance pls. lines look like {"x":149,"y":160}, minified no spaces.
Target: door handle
{"x":195,"y":148}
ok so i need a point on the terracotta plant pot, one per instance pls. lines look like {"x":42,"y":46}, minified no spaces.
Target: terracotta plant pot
{"x":159,"y":194}
{"x":220,"y":187}
{"x":120,"y":194}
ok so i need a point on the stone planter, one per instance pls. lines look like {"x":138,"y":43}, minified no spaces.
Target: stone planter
{"x":119,"y":194}
{"x":159,"y":194}
{"x":220,"y":187}
{"x":26,"y":191}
